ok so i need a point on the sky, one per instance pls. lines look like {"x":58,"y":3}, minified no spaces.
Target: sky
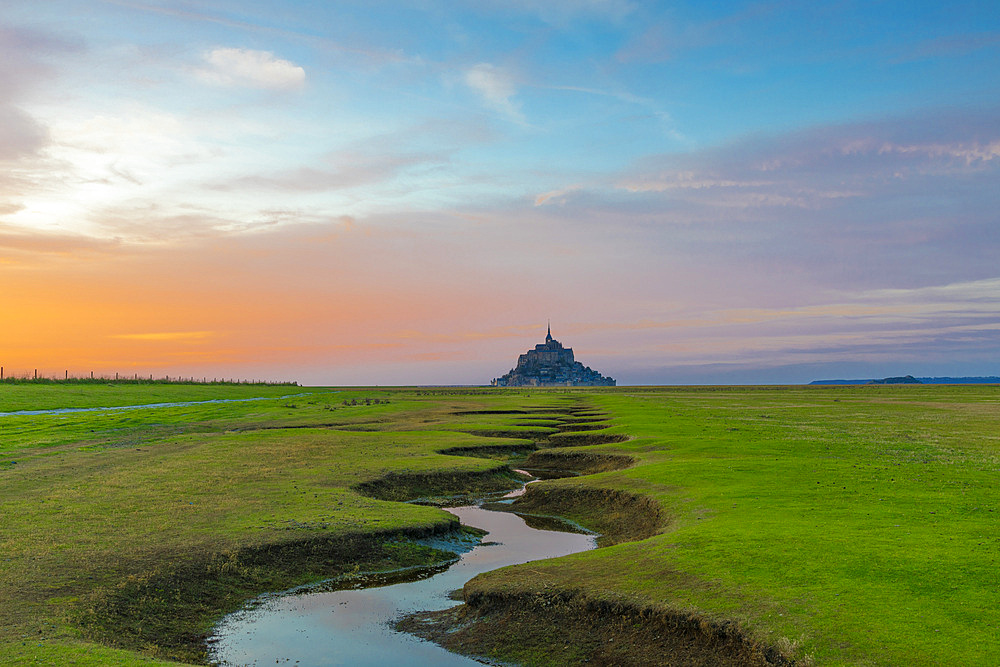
{"x":390,"y":193}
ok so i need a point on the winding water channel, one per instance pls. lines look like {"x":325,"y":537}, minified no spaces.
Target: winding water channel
{"x":354,"y":627}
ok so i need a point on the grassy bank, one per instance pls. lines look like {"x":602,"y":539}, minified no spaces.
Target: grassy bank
{"x":126,"y":534}
{"x":826,"y":525}
{"x":849,"y":525}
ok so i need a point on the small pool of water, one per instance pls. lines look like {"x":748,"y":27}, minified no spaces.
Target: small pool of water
{"x":354,"y":627}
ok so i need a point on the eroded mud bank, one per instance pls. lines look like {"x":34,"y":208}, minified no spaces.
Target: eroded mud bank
{"x":168,"y":611}
{"x":566,"y":628}
{"x":556,"y":625}
{"x":619,"y":516}
{"x":584,"y":463}
{"x":560,"y":626}
{"x":409,"y":486}
{"x":583,"y":426}
{"x":582,"y":439}
{"x":524,"y":433}
{"x":341,"y":625}
{"x":492,"y":451}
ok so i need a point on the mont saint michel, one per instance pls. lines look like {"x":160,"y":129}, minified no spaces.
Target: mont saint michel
{"x":550,"y":364}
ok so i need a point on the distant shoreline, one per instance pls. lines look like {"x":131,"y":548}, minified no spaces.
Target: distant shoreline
{"x":991,"y":379}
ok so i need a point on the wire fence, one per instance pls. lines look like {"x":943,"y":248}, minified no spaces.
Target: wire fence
{"x":33,"y":376}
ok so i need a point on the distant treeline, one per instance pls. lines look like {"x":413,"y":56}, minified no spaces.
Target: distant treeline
{"x":990,"y":379}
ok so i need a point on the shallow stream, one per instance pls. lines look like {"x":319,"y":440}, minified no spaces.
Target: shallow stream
{"x":355,"y":626}
{"x":143,"y":406}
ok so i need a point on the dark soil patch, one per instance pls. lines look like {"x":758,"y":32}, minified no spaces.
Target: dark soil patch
{"x":582,"y":420}
{"x":342,"y":426}
{"x":583,"y":439}
{"x":168,"y":613}
{"x":525,"y":434}
{"x":407,"y":486}
{"x":594,"y":426}
{"x":618,"y":515}
{"x":536,"y":411}
{"x":585,"y":463}
{"x":567,"y":629}
{"x":492,"y":451}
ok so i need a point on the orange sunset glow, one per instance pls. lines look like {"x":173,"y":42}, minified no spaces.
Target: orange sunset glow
{"x":328,"y":195}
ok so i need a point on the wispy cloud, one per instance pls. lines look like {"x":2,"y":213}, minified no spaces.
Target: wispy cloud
{"x":467,"y":336}
{"x":972,"y":304}
{"x":973,"y":295}
{"x":369,"y":55}
{"x":950,"y":46}
{"x":656,"y":43}
{"x":957,"y":321}
{"x":168,"y":336}
{"x":400,"y":206}
{"x":96,"y":162}
{"x":496,"y":87}
{"x":24,"y":68}
{"x":26,"y":54}
{"x":348,"y":169}
{"x":20,"y":134}
{"x":562,"y":13}
{"x":555,"y":196}
{"x":829,"y":202}
{"x":249,"y":68}
{"x":27,"y":242}
{"x":618,"y":95}
{"x":857,"y":158}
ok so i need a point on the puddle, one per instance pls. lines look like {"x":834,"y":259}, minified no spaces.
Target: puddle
{"x":354,"y":627}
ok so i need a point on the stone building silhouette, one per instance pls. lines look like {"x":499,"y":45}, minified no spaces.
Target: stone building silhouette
{"x":550,"y":364}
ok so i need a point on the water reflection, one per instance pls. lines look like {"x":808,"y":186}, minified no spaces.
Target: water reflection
{"x":354,"y":627}
{"x":143,"y":406}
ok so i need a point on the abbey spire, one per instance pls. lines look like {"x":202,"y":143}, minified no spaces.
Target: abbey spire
{"x":550,"y":364}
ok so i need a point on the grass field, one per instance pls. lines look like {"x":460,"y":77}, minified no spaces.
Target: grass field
{"x":853,"y":525}
{"x":830,"y":525}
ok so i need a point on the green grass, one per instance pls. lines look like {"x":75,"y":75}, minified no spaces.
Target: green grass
{"x":92,"y":501}
{"x":79,"y":394}
{"x":858,"y":523}
{"x":847,"y":525}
